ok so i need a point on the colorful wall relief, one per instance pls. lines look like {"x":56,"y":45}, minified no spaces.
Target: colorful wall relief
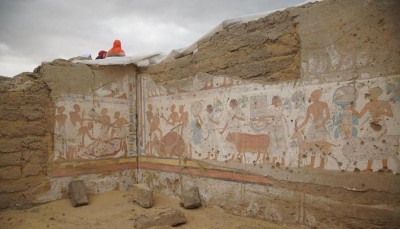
{"x":95,"y":127}
{"x":351,"y":126}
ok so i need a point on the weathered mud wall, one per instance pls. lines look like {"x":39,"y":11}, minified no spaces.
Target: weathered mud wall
{"x":65,"y":122}
{"x":318,"y":134}
{"x":26,"y":118}
{"x":265,"y":50}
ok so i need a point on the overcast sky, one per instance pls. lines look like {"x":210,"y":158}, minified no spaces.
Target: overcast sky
{"x":34,"y":31}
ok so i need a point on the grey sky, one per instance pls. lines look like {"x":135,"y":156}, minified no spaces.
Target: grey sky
{"x":33,"y":31}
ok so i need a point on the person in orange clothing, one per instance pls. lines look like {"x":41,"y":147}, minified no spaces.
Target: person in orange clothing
{"x":116,"y":49}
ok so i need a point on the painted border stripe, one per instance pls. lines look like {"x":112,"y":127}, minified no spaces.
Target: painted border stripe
{"x":211,"y":173}
{"x":175,"y":161}
{"x":91,"y":170}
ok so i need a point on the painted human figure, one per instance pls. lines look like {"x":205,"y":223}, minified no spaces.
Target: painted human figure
{"x":60,"y":144}
{"x":86,"y":130}
{"x":61,"y":119}
{"x":105,"y":122}
{"x":278,"y":131}
{"x":195,"y":136}
{"x":119,"y":130}
{"x":183,"y":119}
{"x":212,"y":137}
{"x":376,"y":128}
{"x":235,"y":117}
{"x":173,"y":117}
{"x":154,"y":126}
{"x":233,"y":124}
{"x":345,"y":122}
{"x":197,"y":124}
{"x":73,"y":138}
{"x":75,"y":116}
{"x":184,"y":130}
{"x":316,"y":134}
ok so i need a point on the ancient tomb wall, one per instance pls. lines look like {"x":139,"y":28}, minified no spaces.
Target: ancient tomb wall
{"x":67,"y":122}
{"x":25,"y":139}
{"x":94,"y":126}
{"x":292,"y":118}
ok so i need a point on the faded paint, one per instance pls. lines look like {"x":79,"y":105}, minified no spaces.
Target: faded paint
{"x":351,"y":125}
{"x":256,"y":150}
{"x":93,"y":127}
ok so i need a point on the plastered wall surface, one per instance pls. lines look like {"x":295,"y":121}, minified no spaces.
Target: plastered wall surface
{"x":336,"y":126}
{"x":67,"y":122}
{"x":327,"y":135}
{"x":292,"y":118}
{"x":343,"y":40}
{"x":94,"y":128}
{"x":322,"y":140}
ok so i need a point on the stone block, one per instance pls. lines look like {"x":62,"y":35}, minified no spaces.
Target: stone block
{"x":167,"y":218}
{"x":279,"y":49}
{"x":10,"y":186}
{"x":77,"y":193}
{"x":35,"y":143}
{"x":10,"y":145}
{"x":10,"y":173}
{"x":143,"y":195}
{"x":32,"y":169}
{"x":190,"y":198}
{"x":33,"y":113}
{"x":10,"y":200}
{"x":18,"y":201}
{"x":36,"y":130}
{"x":10,"y":114}
{"x":10,"y":159}
{"x":37,"y":157}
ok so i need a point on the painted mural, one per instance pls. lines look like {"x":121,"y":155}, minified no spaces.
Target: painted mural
{"x":94,"y":127}
{"x":348,"y":126}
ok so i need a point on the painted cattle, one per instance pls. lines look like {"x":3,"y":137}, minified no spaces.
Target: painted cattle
{"x":171,"y":144}
{"x":251,"y":143}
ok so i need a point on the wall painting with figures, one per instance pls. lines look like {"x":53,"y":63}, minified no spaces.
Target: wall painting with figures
{"x":350,"y":126}
{"x":95,"y":127}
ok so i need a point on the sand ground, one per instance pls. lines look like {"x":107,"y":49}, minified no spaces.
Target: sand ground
{"x":116,"y":210}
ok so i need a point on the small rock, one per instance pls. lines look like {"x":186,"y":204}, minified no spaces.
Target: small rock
{"x":143,"y":195}
{"x":77,"y":193}
{"x":190,"y":198}
{"x":166,"y":218}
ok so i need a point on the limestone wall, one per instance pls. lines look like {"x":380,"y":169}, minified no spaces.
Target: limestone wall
{"x":297,"y":121}
{"x":66,"y":122}
{"x":292,"y":118}
{"x":94,"y":126}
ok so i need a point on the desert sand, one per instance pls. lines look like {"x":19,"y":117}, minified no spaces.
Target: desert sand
{"x":116,"y":210}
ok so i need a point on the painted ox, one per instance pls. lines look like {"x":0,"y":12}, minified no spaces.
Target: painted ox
{"x":171,"y":144}
{"x":251,"y":143}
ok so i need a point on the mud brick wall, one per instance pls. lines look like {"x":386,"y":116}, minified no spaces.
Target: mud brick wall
{"x":26,"y":116}
{"x":265,"y":50}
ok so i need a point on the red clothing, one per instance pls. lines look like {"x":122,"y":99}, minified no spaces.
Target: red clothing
{"x":101,"y":55}
{"x":116,"y":49}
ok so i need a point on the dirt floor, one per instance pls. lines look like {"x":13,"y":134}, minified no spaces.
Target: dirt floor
{"x":116,"y":210}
